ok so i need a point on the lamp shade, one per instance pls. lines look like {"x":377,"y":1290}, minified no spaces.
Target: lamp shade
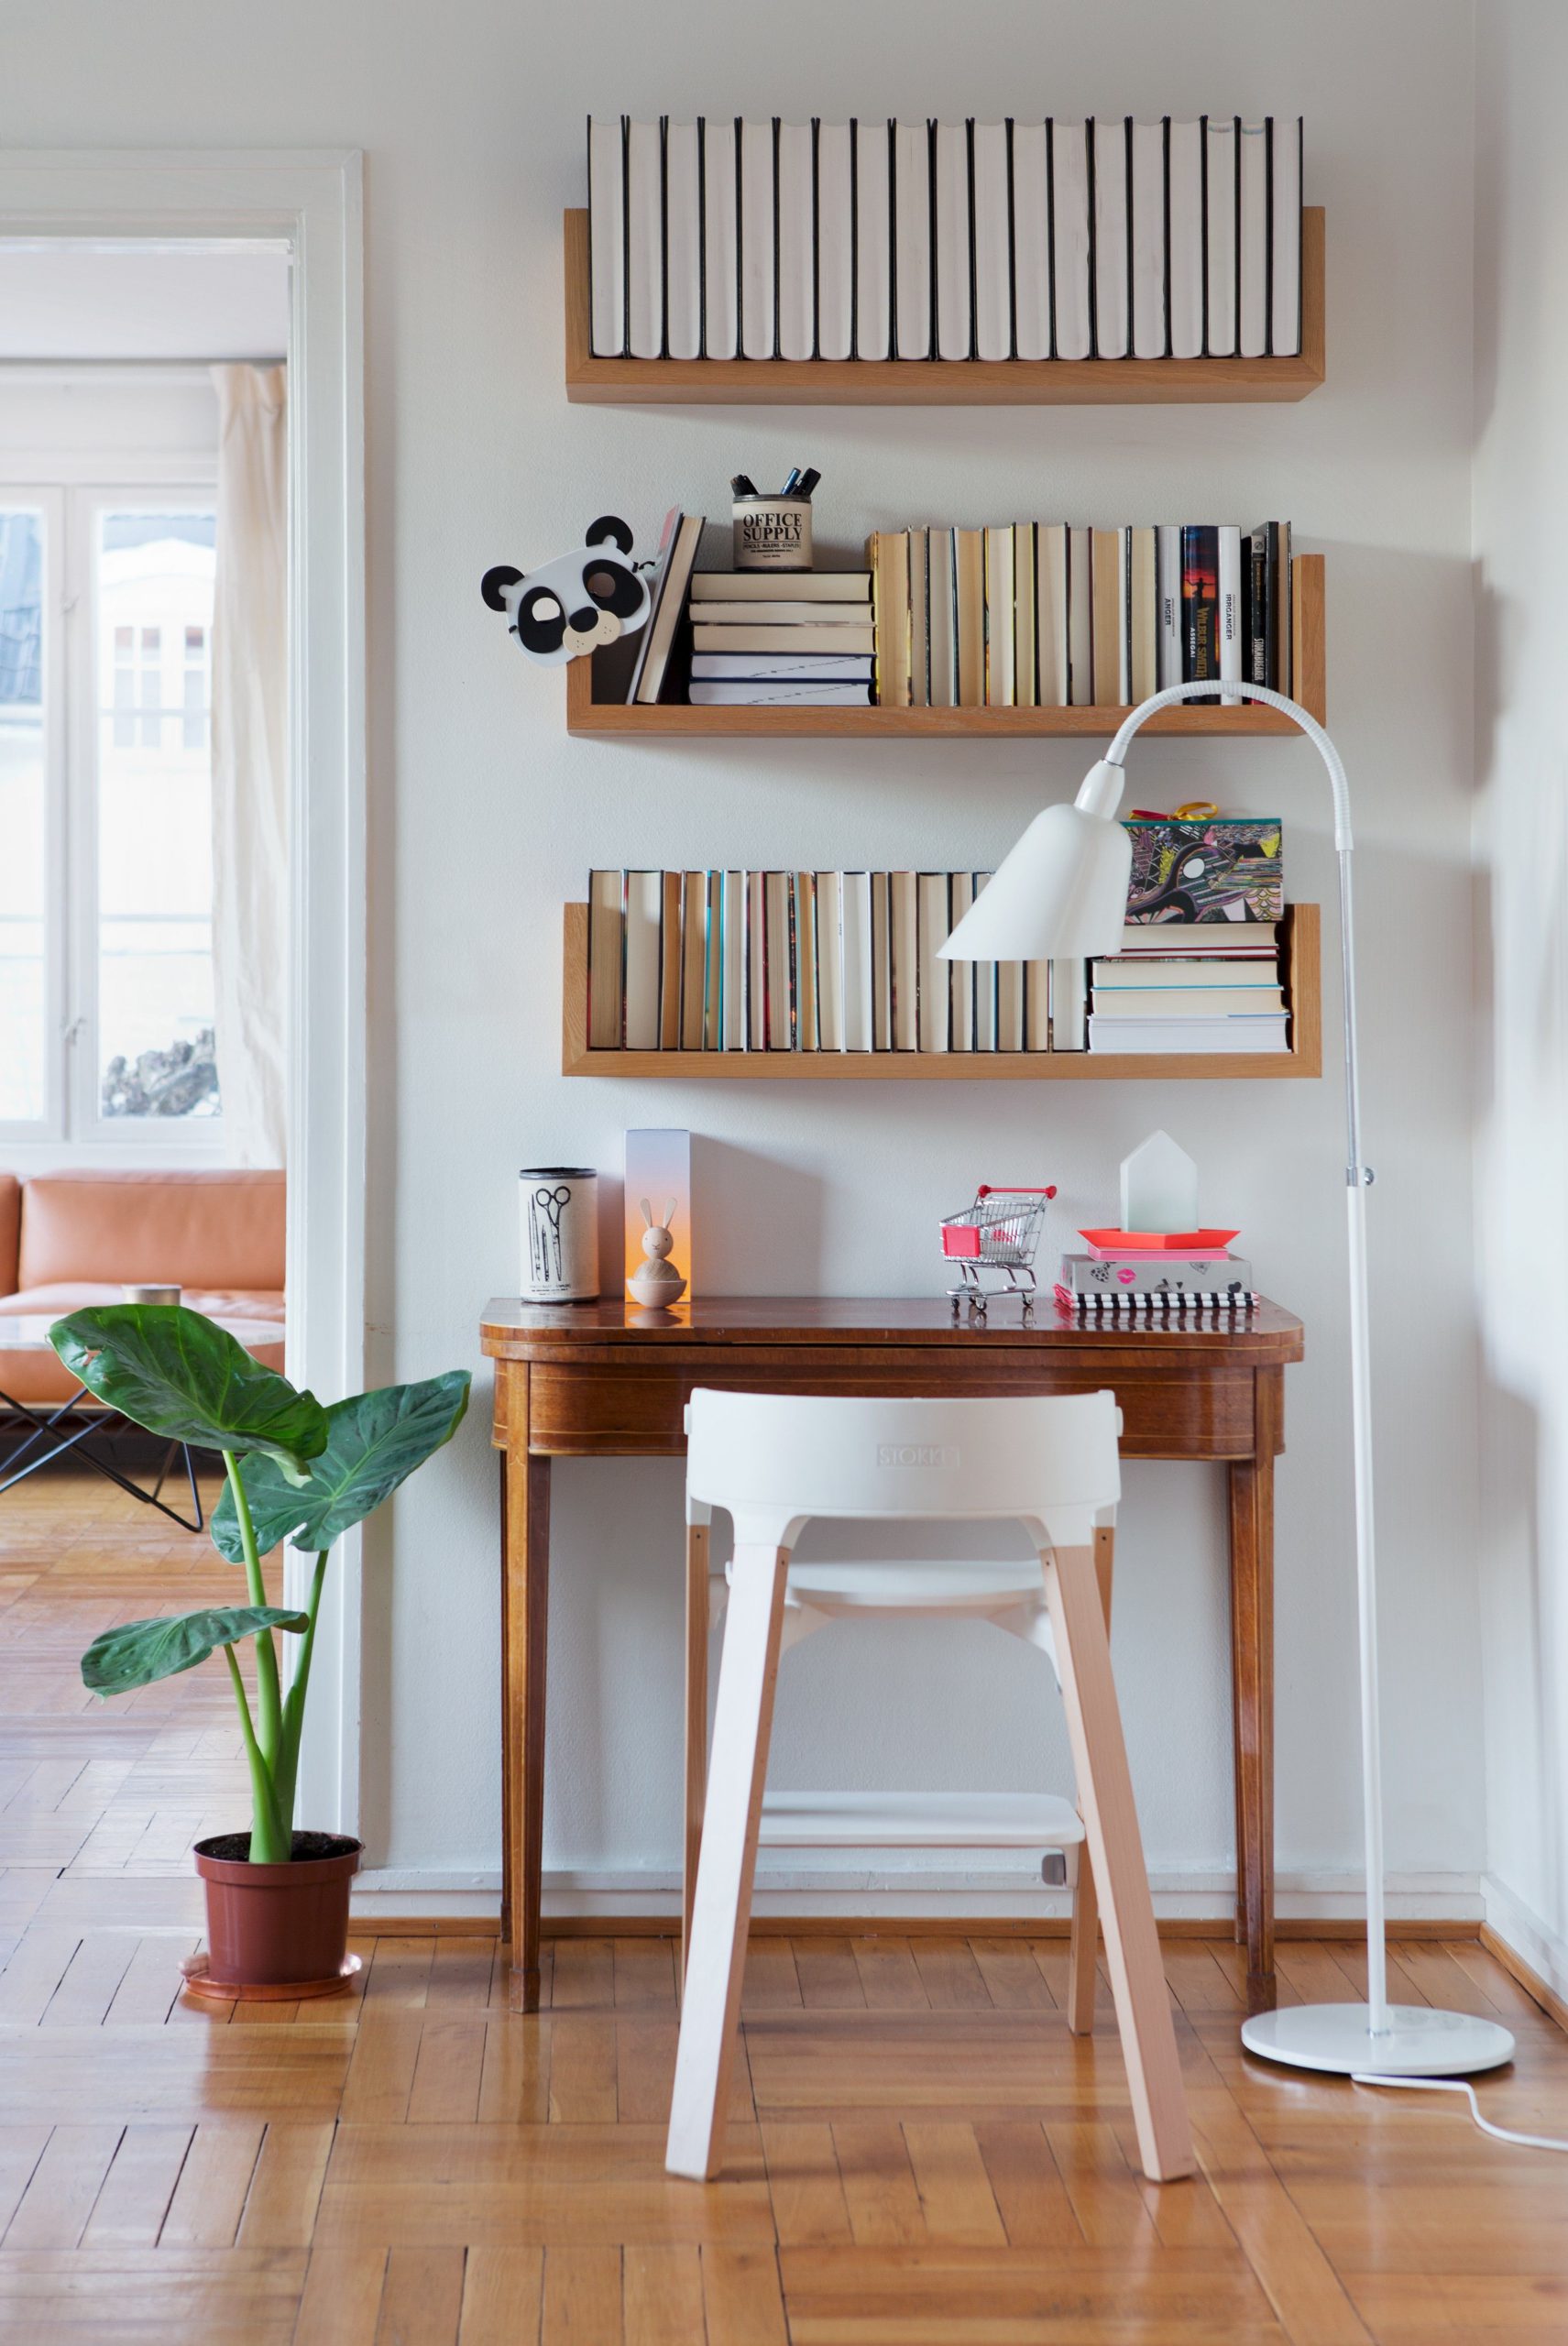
{"x":1061,"y":891}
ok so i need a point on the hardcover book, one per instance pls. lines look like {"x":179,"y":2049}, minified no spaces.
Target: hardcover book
{"x":1224,"y":870}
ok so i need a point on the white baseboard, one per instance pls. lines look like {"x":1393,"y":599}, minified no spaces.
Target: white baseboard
{"x":1523,"y":1930}
{"x":994,"y":1892}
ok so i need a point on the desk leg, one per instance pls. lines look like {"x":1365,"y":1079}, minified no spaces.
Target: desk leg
{"x":1252,"y":1668}
{"x":525,"y":1610}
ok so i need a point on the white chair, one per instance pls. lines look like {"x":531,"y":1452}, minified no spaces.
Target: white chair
{"x":772,"y":1463}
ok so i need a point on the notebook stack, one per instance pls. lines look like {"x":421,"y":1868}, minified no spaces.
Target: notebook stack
{"x":1052,"y":615}
{"x":1186,"y":986}
{"x":782,"y":639}
{"x":871,"y":239}
{"x":1128,"y":1272}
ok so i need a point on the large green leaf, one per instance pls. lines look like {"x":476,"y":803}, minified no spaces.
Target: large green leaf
{"x":374,"y":1442}
{"x":181,"y":1375}
{"x":138,"y":1651}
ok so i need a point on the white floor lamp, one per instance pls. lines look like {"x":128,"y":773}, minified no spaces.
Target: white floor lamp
{"x":1062,"y":890}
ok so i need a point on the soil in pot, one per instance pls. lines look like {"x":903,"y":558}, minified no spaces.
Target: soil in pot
{"x":271,"y":1925}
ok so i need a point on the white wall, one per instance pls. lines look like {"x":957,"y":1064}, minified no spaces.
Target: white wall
{"x":1522,"y":511}
{"x":485,"y":817}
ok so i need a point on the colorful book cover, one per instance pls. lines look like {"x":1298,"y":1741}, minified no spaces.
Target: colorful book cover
{"x":1218,"y":870}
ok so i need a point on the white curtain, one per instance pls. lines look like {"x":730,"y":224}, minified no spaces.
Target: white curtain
{"x":250,"y":793}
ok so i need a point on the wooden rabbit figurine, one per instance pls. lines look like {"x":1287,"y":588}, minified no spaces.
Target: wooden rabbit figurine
{"x":657,"y":1281}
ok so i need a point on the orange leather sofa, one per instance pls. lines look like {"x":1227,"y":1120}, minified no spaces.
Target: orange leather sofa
{"x":69,"y":1239}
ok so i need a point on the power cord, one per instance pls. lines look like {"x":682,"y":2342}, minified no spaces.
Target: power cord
{"x":1457,"y":2085}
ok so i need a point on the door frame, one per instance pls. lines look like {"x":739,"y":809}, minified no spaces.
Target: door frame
{"x":311,"y":201}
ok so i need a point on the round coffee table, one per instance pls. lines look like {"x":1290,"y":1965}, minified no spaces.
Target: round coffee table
{"x":29,"y":1332}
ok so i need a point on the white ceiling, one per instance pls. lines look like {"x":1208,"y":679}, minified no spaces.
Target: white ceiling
{"x":69,"y":302}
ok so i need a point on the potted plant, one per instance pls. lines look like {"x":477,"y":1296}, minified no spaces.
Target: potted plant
{"x":277,"y":1899}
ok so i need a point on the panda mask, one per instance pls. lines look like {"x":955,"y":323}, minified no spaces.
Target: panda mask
{"x":567,"y":607}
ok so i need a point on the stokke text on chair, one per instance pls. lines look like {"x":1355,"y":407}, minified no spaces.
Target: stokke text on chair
{"x":772,"y":1463}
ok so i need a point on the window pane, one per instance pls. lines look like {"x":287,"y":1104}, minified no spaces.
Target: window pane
{"x":155,"y":871}
{"x":23,"y":818}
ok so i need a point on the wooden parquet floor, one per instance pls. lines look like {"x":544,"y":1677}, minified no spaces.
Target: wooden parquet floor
{"x":922,"y":2155}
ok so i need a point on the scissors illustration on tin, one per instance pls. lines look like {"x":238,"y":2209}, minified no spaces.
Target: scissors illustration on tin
{"x":545,"y":1230}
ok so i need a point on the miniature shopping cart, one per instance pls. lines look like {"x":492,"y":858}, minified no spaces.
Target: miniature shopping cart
{"x":1000,"y":1232}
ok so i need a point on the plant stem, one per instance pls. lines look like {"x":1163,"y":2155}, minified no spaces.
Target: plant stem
{"x":268,"y":1693}
{"x":294,"y":1703}
{"x":271,"y":1835}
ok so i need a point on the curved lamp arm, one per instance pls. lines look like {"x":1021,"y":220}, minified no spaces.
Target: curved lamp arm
{"x":1100,"y":795}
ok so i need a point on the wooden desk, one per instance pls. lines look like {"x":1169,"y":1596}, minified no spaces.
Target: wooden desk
{"x":611,"y":1380}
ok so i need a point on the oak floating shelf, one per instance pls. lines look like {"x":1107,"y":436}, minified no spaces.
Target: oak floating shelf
{"x":674,"y":719}
{"x":938,"y":382}
{"x":1303,"y":997}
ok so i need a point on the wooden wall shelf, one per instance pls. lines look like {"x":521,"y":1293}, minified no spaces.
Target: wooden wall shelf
{"x":938,"y":382}
{"x":1302,"y":981}
{"x":669,"y":719}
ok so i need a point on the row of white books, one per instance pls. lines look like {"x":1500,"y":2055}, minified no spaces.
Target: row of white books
{"x":810,"y":961}
{"x":1065,"y":239}
{"x":1173,"y":996}
{"x":1047,"y":614}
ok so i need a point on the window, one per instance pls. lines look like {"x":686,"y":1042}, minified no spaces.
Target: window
{"x":106,"y":1006}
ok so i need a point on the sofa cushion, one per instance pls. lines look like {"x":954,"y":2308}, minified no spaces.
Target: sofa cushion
{"x":38,"y":1376}
{"x":10,"y":1227}
{"x":215,"y":1232}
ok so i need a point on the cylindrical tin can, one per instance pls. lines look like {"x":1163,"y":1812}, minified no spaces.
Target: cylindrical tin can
{"x":772,"y":532}
{"x":560,"y":1233}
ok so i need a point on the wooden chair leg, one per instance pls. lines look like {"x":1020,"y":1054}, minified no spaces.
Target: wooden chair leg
{"x":1111,"y":1821}
{"x":721,"y":1913}
{"x":1084,"y":1945}
{"x":698,"y":1617}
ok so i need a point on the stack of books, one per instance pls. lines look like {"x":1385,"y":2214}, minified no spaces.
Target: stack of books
{"x":810,"y":961}
{"x":1049,"y":614}
{"x":1185,"y":986}
{"x":772,"y":638}
{"x":917,"y":240}
{"x":1122,"y":1274}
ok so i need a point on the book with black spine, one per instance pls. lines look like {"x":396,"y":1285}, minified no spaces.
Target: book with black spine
{"x":904,"y":955}
{"x":1260,"y":625}
{"x":1199,"y":609}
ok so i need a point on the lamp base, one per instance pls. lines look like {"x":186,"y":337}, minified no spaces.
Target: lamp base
{"x":1418,"y":2042}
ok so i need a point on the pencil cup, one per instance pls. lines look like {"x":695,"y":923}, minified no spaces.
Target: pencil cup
{"x":772,"y":533}
{"x":560,"y":1233}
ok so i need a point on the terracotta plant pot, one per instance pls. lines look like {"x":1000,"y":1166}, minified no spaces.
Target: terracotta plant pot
{"x":277,"y":1928}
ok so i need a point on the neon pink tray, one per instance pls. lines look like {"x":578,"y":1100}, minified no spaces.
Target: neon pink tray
{"x":1159,"y":1241}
